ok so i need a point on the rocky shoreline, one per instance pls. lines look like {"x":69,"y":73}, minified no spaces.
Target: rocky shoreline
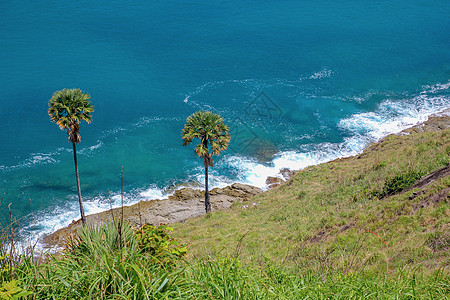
{"x":189,"y":203}
{"x":183,"y":204}
{"x":435,"y":122}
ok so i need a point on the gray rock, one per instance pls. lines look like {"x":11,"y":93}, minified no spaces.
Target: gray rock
{"x":286,"y":173}
{"x":274,"y":182}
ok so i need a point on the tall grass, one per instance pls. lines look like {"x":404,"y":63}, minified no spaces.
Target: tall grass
{"x":103,"y":263}
{"x":96,"y":264}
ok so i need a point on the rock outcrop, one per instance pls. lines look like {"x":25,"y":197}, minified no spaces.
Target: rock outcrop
{"x":273,"y":182}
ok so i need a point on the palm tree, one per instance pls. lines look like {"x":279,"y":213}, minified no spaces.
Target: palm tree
{"x":214,"y":136}
{"x":68,"y":108}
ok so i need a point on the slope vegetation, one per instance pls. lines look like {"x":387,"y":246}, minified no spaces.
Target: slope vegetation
{"x":370,"y":213}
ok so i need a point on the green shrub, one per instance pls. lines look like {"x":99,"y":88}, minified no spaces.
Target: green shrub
{"x":12,"y":290}
{"x":400,"y":182}
{"x":301,"y":195}
{"x":380,"y":165}
{"x":5,"y":270}
{"x":157,"y":241}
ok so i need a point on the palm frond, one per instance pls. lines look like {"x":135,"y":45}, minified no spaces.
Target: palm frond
{"x":209,"y":128}
{"x":67,"y":108}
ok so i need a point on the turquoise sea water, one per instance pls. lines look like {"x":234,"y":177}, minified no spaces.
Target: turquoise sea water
{"x":299,"y":82}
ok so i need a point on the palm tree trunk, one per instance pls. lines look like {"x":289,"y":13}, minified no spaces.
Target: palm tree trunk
{"x":207,"y":203}
{"x":83,"y":218}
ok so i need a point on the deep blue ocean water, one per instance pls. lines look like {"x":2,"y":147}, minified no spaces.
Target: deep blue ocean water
{"x":299,"y":82}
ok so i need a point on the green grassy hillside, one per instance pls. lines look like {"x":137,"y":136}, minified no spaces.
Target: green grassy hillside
{"x":375,"y":226}
{"x":348,"y":215}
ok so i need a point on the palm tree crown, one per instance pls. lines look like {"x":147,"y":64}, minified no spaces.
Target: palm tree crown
{"x":210,"y":129}
{"x":68,"y":107}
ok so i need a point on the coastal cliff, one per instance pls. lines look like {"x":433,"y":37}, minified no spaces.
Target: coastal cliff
{"x":188,"y":203}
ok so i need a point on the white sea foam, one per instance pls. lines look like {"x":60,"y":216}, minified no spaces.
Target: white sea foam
{"x":324,"y":73}
{"x":34,"y":160}
{"x":153,"y":193}
{"x":88,"y":150}
{"x":436,"y":88}
{"x":393,"y":117}
{"x":144,"y":121}
{"x":256,"y":173}
{"x":41,"y":158}
{"x":96,"y":146}
{"x":53,"y":157}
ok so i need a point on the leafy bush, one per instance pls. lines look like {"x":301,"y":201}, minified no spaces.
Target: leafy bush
{"x":400,"y":182}
{"x":5,"y":270}
{"x":10,"y":290}
{"x":380,"y":165}
{"x":157,"y":241}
